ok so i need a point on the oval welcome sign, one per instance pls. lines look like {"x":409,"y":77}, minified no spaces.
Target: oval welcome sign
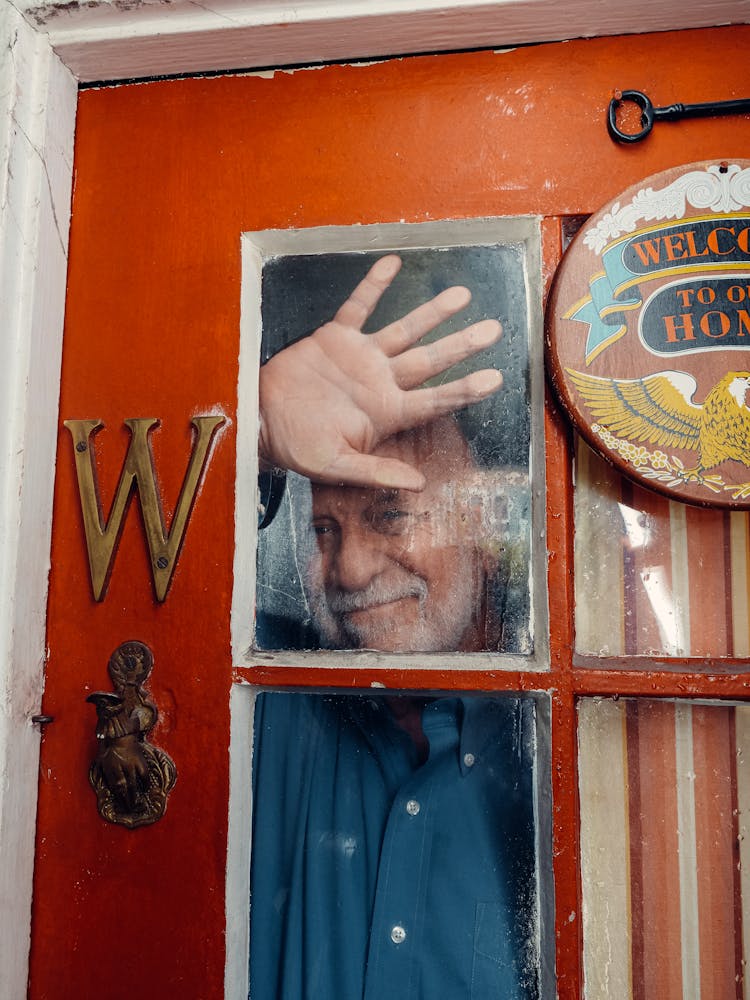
{"x":648,"y":332}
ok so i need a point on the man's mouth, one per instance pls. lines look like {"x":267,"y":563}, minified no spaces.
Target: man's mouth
{"x":377,"y":607}
{"x":374,"y":599}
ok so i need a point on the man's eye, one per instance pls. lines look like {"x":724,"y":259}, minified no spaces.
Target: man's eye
{"x":321,"y":530}
{"x":394,"y":515}
{"x":391,"y":521}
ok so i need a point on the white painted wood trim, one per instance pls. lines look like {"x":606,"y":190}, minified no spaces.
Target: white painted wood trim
{"x":115,"y":39}
{"x":242,"y":708}
{"x":257,"y":247}
{"x":37,"y":114}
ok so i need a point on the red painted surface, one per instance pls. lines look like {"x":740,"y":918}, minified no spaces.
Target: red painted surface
{"x":168,"y":175}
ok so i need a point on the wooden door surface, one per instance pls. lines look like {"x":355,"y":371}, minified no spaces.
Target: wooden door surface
{"x":168,"y":175}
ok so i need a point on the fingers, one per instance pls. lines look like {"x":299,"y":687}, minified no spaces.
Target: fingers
{"x":423,"y":405}
{"x":373,"y":471}
{"x":396,"y":337}
{"x":414,"y":367}
{"x":360,"y":304}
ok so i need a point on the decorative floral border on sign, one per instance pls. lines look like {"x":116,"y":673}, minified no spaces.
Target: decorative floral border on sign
{"x":718,"y":189}
{"x":663,"y":468}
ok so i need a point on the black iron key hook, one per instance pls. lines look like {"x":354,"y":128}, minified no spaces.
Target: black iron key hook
{"x":650,"y":114}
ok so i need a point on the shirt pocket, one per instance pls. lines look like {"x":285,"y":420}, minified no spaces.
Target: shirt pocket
{"x":495,"y":968}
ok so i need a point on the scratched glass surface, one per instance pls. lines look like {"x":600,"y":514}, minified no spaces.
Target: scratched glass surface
{"x":656,"y":577}
{"x":401,"y":847}
{"x":444,"y":570}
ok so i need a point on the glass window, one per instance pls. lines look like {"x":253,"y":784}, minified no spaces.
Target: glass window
{"x":656,"y":577}
{"x":444,"y":569}
{"x":399,"y":846}
{"x":401,"y":842}
{"x":665,"y":794}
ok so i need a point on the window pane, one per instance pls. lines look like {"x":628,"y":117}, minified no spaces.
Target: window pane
{"x":394,"y":848}
{"x":665,"y":794}
{"x":656,"y":577}
{"x":445,"y":569}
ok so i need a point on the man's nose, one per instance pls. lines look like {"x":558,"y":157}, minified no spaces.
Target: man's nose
{"x":359,"y":558}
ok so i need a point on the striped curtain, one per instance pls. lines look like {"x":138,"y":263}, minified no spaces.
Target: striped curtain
{"x":665,"y":841}
{"x":664,"y":785}
{"x":656,"y":577}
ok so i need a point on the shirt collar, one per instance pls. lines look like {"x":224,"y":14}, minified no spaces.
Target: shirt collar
{"x":482,"y":720}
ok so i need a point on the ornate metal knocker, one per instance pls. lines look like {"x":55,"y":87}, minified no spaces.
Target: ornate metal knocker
{"x":131,"y":777}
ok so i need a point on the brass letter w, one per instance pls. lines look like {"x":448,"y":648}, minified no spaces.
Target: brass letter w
{"x":137,"y":474}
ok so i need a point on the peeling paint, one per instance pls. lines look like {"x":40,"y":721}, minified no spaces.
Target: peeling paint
{"x":48,"y":12}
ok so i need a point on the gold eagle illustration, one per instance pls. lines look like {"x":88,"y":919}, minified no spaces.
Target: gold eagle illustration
{"x":659,"y":409}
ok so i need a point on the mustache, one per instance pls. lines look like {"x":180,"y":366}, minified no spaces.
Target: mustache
{"x":343,"y":602}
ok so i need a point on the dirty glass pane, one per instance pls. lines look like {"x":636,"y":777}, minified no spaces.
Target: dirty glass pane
{"x":665,"y":806}
{"x":656,"y":577}
{"x":441,"y":570}
{"x":396,"y":848}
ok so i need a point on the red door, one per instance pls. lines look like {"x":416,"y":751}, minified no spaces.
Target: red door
{"x":169,"y":174}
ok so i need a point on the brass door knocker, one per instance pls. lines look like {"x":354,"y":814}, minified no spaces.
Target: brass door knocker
{"x":131,"y":777}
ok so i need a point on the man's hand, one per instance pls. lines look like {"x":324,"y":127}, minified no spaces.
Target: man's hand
{"x":328,"y":401}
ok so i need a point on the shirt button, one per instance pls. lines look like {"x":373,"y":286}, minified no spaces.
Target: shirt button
{"x":469,"y":759}
{"x":398,"y":934}
{"x":413,"y":807}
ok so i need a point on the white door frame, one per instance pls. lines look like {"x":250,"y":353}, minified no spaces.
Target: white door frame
{"x":47,"y":49}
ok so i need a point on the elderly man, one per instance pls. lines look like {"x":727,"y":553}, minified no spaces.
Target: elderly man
{"x":405,"y":571}
{"x":393,"y":840}
{"x":331,"y":400}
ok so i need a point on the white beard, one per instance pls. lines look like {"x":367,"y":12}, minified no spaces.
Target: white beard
{"x":442,"y":630}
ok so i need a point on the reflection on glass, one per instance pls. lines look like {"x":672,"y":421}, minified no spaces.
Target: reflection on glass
{"x":656,"y":577}
{"x":394,"y":848}
{"x":665,"y":862}
{"x":445,"y":569}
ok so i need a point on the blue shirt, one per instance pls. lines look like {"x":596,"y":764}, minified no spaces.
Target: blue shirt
{"x":377,"y":878}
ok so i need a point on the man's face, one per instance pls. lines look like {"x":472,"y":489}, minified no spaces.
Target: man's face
{"x":401,"y":571}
